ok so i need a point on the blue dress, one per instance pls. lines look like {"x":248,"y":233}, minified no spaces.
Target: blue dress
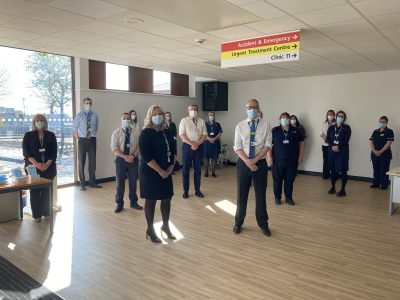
{"x":338,"y":136}
{"x":212,"y":150}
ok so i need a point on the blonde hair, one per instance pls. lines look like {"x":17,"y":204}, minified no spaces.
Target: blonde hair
{"x":147,"y":120}
{"x":39,"y":117}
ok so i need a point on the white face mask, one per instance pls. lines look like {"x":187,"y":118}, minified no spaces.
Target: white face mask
{"x":133,"y":117}
{"x":193,"y":113}
{"x":125,"y":123}
{"x":39,"y":125}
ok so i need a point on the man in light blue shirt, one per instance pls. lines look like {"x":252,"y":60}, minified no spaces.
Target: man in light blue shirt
{"x":85,"y":129}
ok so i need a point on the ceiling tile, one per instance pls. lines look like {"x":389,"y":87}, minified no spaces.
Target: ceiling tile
{"x":31,"y":26}
{"x":328,"y":15}
{"x":92,"y":48}
{"x":388,"y":20}
{"x":374,"y":8}
{"x":120,"y":53}
{"x":122,"y":20}
{"x":355,"y":37}
{"x":194,"y":50}
{"x":345,"y":27}
{"x":170,"y":30}
{"x":277,"y":25}
{"x":90,"y":8}
{"x":17,"y":34}
{"x":104,"y":28}
{"x":9,"y":42}
{"x":113,"y":43}
{"x":139,"y":37}
{"x":169,"y":44}
{"x":142,"y":49}
{"x":263,"y":10}
{"x":4,"y":18}
{"x":56,"y":42}
{"x":236,"y":33}
{"x":296,"y":6}
{"x":77,"y":35}
{"x":17,"y":7}
{"x":241,"y":2}
{"x":57,"y":17}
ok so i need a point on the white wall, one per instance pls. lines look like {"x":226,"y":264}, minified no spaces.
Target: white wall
{"x":110,"y":104}
{"x":363,"y":96}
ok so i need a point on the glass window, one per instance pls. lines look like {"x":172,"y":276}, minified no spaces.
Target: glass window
{"x":117,"y":77}
{"x":31,"y":83}
{"x":161,"y":82}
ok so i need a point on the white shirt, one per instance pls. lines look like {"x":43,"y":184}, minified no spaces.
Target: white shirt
{"x":118,"y":139}
{"x":193,"y":130}
{"x":242,"y":136}
{"x":324,"y":130}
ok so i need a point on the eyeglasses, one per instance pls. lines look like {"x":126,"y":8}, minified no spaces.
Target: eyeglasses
{"x":251,"y":107}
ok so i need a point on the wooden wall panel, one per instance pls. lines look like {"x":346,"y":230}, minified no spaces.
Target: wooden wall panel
{"x":140,"y":80}
{"x":179,"y":84}
{"x":97,"y":75}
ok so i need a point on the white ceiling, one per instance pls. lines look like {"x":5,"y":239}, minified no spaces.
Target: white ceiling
{"x":337,"y":36}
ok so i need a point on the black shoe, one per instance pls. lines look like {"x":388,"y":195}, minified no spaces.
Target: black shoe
{"x":325,"y":177}
{"x":152,"y":236}
{"x":290,"y":202}
{"x":185,"y":195}
{"x":341,"y":193}
{"x":118,"y":209}
{"x":199,"y":194}
{"x":168,"y":232}
{"x":206,"y":174}
{"x":332,"y":191}
{"x":136,"y":206}
{"x":95,"y":186}
{"x":83,"y":188}
{"x":374,"y":186}
{"x":214,"y":175}
{"x":266,"y":231}
{"x":384,"y":187}
{"x":278,"y":201}
{"x":237,"y":229}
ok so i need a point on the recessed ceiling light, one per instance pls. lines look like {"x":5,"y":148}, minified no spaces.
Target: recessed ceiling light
{"x":134,"y":20}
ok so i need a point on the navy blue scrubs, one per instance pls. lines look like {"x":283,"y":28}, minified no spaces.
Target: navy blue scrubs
{"x":338,"y":136}
{"x":381,"y":163}
{"x":212,"y":150}
{"x":285,"y":154}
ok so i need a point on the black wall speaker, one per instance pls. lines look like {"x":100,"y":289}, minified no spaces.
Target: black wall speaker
{"x":215,"y":96}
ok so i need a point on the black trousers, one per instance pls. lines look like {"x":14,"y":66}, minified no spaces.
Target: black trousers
{"x":381,"y":166}
{"x":123,"y":170}
{"x":87,"y":146}
{"x":259,"y":178}
{"x":325,"y":168}
{"x":284,"y":171}
{"x":40,"y":204}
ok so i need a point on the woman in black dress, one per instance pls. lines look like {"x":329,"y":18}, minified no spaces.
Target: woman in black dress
{"x":40,"y":150}
{"x":156,"y":146}
{"x":212,"y":145}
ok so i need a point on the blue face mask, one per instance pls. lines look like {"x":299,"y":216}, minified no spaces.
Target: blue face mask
{"x":157,"y":120}
{"x":382,"y":125}
{"x":211,"y":118}
{"x":339,"y":120}
{"x":39,"y":125}
{"x":125,"y":123}
{"x":252,"y":113}
{"x":284,"y":122}
{"x":88,"y":107}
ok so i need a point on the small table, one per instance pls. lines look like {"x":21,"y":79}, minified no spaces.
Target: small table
{"x":394,"y":175}
{"x":30,"y":184}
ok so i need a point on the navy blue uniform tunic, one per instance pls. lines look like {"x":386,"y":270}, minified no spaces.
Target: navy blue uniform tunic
{"x":338,"y":136}
{"x":212,"y":150}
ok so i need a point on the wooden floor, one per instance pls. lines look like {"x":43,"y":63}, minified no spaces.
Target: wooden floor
{"x":325,"y":247}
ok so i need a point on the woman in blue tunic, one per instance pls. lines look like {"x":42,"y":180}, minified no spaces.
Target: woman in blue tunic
{"x":381,"y":154}
{"x":156,"y":146}
{"x":212,"y":145}
{"x":338,"y":137}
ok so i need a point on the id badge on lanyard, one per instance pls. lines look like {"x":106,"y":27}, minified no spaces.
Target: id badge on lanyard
{"x":285,"y":141}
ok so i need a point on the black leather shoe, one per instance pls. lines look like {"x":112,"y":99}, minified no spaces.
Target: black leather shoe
{"x":332,"y":191}
{"x":266,"y":231}
{"x":237,"y":229}
{"x":168,"y":232}
{"x":341,"y":193}
{"x":96,"y":186}
{"x":137,"y":206}
{"x":214,"y":175}
{"x":83,"y":188}
{"x":384,"y":187}
{"x":290,"y":202}
{"x":185,"y":195}
{"x":118,"y":209}
{"x":152,"y":236}
{"x":374,"y":186}
{"x":206,"y":174}
{"x":199,"y":194}
{"x":278,"y":201}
